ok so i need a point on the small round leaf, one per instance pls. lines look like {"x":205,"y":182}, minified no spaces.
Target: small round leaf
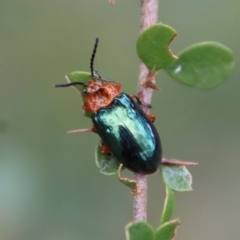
{"x":78,"y":76}
{"x":153,"y":46}
{"x":106,"y":164}
{"x":167,"y":231}
{"x":177,"y":178}
{"x":203,"y":65}
{"x":139,"y":231}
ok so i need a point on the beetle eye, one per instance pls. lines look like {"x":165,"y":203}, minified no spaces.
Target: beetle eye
{"x":84,"y":91}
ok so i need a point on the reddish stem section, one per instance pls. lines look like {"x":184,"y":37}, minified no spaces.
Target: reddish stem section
{"x":140,"y":197}
{"x":149,"y":9}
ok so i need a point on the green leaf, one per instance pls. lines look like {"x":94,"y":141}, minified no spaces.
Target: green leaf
{"x":167,"y":231}
{"x":78,"y":76}
{"x":84,"y":77}
{"x":203,"y":65}
{"x":177,"y":178}
{"x":106,"y":164}
{"x":139,"y":231}
{"x":153,"y":46}
{"x":168,"y":205}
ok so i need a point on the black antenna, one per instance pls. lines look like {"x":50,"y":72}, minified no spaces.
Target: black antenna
{"x":70,"y":84}
{"x":93,"y":56}
{"x":93,"y":72}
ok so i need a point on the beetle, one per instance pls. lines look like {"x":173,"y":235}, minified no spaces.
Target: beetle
{"x":126,"y":132}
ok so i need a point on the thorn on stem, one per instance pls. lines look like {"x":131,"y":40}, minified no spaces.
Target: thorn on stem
{"x":175,"y":162}
{"x":111,"y":1}
{"x":81,"y":130}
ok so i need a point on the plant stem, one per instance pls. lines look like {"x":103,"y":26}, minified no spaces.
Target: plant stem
{"x":140,"y":197}
{"x":149,"y":10}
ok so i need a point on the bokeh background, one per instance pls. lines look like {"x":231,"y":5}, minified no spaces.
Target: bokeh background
{"x":50,"y":187}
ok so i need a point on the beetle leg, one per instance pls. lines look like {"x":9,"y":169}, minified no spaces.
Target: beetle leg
{"x":151,"y":117}
{"x":105,"y":149}
{"x":139,"y":102}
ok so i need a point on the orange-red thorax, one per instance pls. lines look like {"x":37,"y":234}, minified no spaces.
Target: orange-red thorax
{"x":100,"y":94}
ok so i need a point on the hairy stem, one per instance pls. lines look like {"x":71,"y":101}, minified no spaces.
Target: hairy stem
{"x":149,"y":10}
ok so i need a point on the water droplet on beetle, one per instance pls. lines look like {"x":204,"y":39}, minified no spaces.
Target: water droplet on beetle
{"x":131,"y":113}
{"x":109,"y":129}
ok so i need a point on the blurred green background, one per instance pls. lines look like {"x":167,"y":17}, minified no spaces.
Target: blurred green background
{"x":49,"y":185}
